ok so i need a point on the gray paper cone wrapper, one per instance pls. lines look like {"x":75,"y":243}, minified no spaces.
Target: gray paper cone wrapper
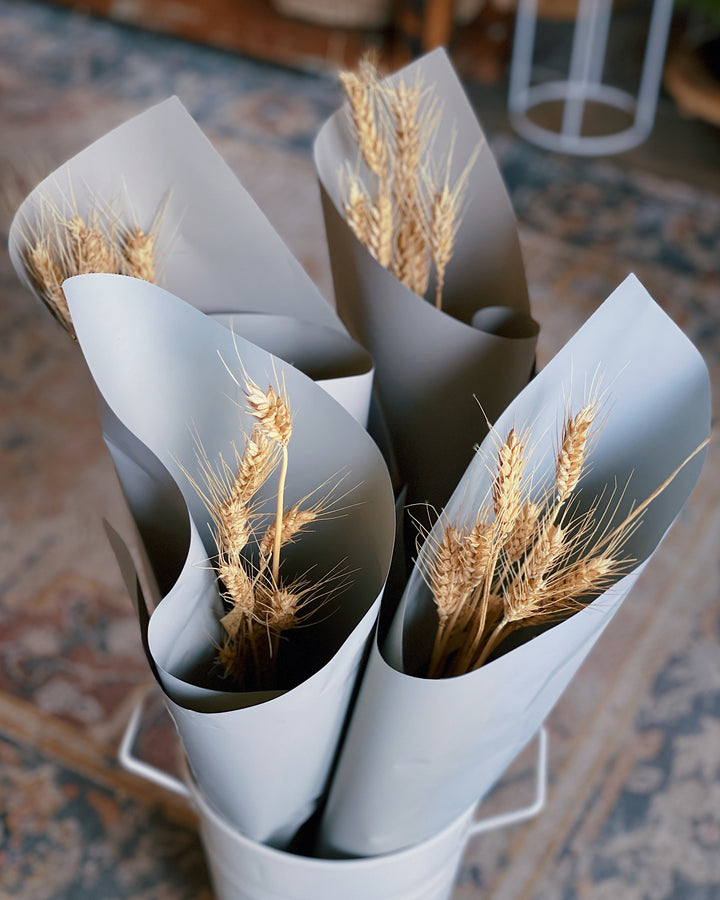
{"x":160,"y":367}
{"x":437,"y":371}
{"x":419,"y":750}
{"x":217,"y":250}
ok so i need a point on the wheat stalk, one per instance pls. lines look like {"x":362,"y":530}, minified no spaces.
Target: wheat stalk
{"x":90,"y":247}
{"x":443,"y":230}
{"x":506,"y":506}
{"x":294,"y":520}
{"x":261,"y":604}
{"x":449,"y":581}
{"x":526,"y":596}
{"x":539,"y":559}
{"x":138,"y":246}
{"x":405,"y":225}
{"x":523,"y":531}
{"x":139,"y":254}
{"x":62,"y":243}
{"x":362,"y":94}
{"x":357,"y":207}
{"x":273,"y":414}
{"x":47,"y":277}
{"x":506,"y":487}
{"x":572,"y":453}
{"x":445,"y":216}
{"x":411,"y":263}
{"x":380,"y":227}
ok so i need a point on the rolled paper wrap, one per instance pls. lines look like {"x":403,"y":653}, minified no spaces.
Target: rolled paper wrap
{"x":216,"y":249}
{"x":418,"y":750}
{"x":439,"y":373}
{"x":160,"y":366}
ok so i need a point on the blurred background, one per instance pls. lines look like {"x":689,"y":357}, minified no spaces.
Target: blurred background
{"x":324,"y":35}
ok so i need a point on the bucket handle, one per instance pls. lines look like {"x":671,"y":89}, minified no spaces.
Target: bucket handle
{"x":132,"y":763}
{"x":503,"y":820}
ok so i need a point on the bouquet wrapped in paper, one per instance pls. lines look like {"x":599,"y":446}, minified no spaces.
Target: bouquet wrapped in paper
{"x":153,"y":203}
{"x":154,"y":200}
{"x":551,"y":525}
{"x":259,"y":488}
{"x":426,"y":265}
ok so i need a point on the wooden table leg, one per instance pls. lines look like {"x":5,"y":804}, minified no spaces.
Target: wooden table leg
{"x":437,"y":23}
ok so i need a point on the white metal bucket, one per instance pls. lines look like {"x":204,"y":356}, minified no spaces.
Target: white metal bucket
{"x":242,"y":869}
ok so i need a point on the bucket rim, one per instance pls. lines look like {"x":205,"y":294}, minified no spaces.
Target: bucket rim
{"x":204,"y":808}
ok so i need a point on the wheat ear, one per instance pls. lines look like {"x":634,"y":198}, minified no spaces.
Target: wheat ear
{"x":357,"y":207}
{"x":273,"y":414}
{"x":458,"y":567}
{"x":507,"y":505}
{"x":450,"y":585}
{"x":138,"y":246}
{"x":411,"y":263}
{"x":91,"y":251}
{"x":370,"y":140}
{"x":524,"y":596}
{"x":558,"y":593}
{"x":138,"y":250}
{"x":381,"y":228}
{"x":63,"y":244}
{"x":445,"y":216}
{"x":294,"y":521}
{"x":541,"y":540}
{"x":48,"y":278}
{"x":573,"y":450}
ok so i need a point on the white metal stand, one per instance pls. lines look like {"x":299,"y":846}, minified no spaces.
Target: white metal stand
{"x":584,"y":80}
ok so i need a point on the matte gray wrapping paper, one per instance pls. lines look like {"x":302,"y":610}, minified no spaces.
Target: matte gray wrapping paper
{"x":160,"y":366}
{"x":419,"y":750}
{"x":217,"y":250}
{"x":437,"y":371}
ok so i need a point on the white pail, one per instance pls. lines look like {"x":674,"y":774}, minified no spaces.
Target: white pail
{"x":243,"y":869}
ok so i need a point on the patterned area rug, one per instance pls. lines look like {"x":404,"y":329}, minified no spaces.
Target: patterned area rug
{"x":633,"y":811}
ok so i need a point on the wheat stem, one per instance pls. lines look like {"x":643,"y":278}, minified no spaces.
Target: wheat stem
{"x":279,"y":516}
{"x":492,"y":642}
{"x":438,"y":650}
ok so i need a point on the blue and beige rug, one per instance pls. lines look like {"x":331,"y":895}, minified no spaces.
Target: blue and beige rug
{"x":634,"y":805}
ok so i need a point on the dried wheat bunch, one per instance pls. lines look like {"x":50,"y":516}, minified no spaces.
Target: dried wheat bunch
{"x":61,"y":243}
{"x":404,"y":209}
{"x":261,"y":605}
{"x":532,"y":556}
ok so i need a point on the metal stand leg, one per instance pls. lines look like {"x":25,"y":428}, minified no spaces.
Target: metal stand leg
{"x":586,"y":62}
